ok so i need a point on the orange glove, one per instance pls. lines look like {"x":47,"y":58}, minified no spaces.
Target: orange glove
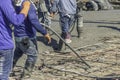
{"x":26,"y":7}
{"x":47,"y":36}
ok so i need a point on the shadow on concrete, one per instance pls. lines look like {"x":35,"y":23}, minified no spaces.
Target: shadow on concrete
{"x":53,"y":43}
{"x":108,"y":79}
{"x":111,"y":27}
{"x":102,"y":22}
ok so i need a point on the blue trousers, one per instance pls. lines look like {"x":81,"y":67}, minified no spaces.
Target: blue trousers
{"x":66,"y":20}
{"x":29,"y":48}
{"x":6,"y":60}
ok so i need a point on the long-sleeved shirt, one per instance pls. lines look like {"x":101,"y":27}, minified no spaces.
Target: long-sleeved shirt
{"x":30,"y":25}
{"x":64,"y":6}
{"x":7,"y":16}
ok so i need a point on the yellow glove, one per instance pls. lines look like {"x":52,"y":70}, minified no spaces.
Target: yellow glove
{"x":26,"y":7}
{"x":47,"y":36}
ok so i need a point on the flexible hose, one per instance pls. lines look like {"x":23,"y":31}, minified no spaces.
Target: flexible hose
{"x":66,"y":44}
{"x":81,"y":74}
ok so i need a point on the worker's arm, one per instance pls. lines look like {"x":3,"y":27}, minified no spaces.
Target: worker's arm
{"x":35,"y":22}
{"x":32,"y":16}
{"x":9,"y":12}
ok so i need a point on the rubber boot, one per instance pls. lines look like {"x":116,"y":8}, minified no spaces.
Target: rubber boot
{"x":79,"y":24}
{"x":27,"y":70}
{"x":14,"y":64}
{"x":61,"y":45}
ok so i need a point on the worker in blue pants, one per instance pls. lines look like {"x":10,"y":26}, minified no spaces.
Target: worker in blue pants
{"x":9,"y":16}
{"x":25,"y":38}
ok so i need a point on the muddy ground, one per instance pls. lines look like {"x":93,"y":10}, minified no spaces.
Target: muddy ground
{"x":98,"y":46}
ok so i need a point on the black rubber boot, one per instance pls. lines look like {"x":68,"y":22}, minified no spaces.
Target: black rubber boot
{"x":14,"y":64}
{"x":27,"y":70}
{"x":61,"y":45}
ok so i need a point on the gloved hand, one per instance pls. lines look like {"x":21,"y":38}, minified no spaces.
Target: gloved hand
{"x":47,"y":36}
{"x":26,"y":7}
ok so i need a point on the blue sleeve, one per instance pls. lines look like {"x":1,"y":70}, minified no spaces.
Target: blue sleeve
{"x":34,"y":20}
{"x":9,"y":12}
